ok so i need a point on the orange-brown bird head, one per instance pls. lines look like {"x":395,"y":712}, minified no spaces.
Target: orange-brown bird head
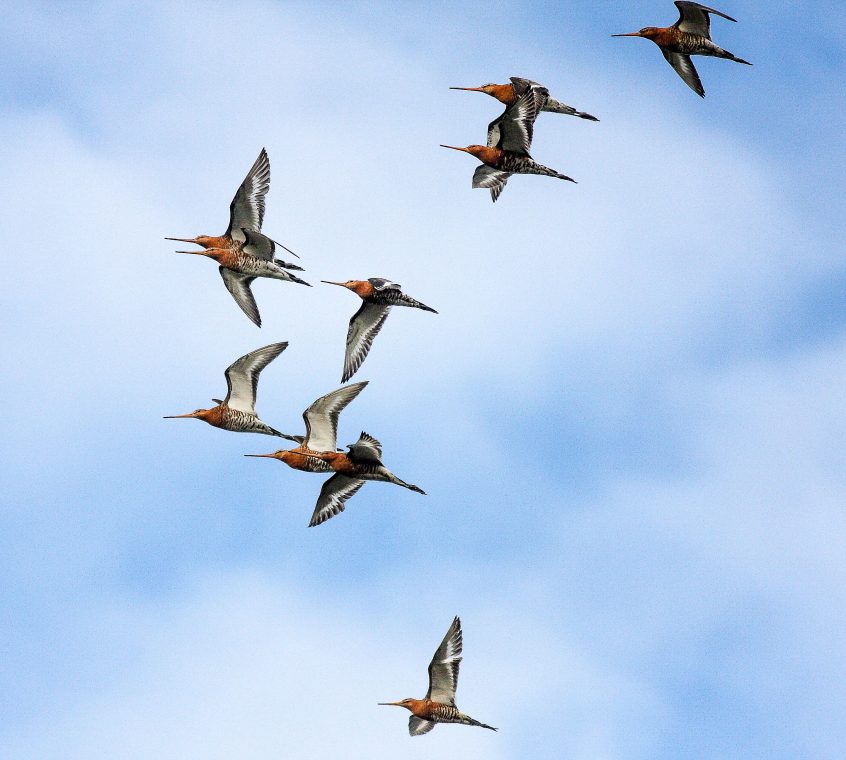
{"x":361,"y":288}
{"x":504,"y":93}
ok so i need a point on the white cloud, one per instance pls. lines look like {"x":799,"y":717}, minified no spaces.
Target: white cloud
{"x":570,"y":316}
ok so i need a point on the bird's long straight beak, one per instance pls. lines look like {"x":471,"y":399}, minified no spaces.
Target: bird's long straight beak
{"x":391,"y":704}
{"x":198,"y":253}
{"x":182,"y":240}
{"x":261,"y":456}
{"x":329,"y":282}
{"x":178,"y":416}
{"x":627,"y":34}
{"x":469,"y":89}
{"x":452,"y":147}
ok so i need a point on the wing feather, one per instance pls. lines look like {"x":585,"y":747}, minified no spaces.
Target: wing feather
{"x":333,"y":495}
{"x":686,"y":70}
{"x":258,"y":245}
{"x":239,"y":286}
{"x":443,"y":670}
{"x":364,"y":327}
{"x":694,"y":18}
{"x":514,"y":129}
{"x":247,"y":207}
{"x":366,"y":450}
{"x":321,"y":418}
{"x":490,"y":177}
{"x":418,"y":726}
{"x":243,"y":374}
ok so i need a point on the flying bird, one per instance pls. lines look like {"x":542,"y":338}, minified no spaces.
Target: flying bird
{"x":237,"y":412}
{"x":509,"y":141}
{"x":509,"y":94}
{"x":438,"y":706}
{"x":690,"y":35}
{"x":317,"y":452}
{"x":243,"y":252}
{"x":378,"y":295}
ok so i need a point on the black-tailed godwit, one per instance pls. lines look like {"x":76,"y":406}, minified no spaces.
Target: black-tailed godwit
{"x":509,"y":94}
{"x":237,"y":412}
{"x":509,"y":142}
{"x":438,"y":706}
{"x":378,"y":295}
{"x":690,"y":35}
{"x":317,"y":453}
{"x":243,"y":252}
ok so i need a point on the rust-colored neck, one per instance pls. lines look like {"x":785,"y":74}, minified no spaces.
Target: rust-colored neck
{"x":504,"y":93}
{"x":662,"y":36}
{"x":210,"y":241}
{"x":489,"y":156}
{"x":337,"y":460}
{"x":213,"y":416}
{"x":361,"y":288}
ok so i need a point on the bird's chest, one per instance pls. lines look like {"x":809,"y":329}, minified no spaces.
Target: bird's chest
{"x":684,"y":43}
{"x":307,"y":463}
{"x":438,"y":711}
{"x":511,"y":162}
{"x":234,"y":419}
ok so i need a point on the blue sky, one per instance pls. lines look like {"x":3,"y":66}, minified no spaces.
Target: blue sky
{"x":629,"y":414}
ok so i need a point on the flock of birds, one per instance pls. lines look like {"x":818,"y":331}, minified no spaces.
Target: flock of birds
{"x":510,"y":135}
{"x":244,"y":253}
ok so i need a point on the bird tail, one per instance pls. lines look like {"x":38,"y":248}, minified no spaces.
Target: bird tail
{"x":535,"y":168}
{"x":294,"y":278}
{"x":286,"y":265}
{"x":739,"y":60}
{"x":554,"y":106}
{"x":468,"y":721}
{"x":410,"y":486}
{"x":401,"y":299}
{"x":295,"y":438}
{"x":719,"y":52}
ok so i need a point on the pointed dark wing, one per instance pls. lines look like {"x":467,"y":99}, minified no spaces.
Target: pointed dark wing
{"x":247,"y":207}
{"x":239,"y":286}
{"x":686,"y":70}
{"x":380,"y":283}
{"x":333,"y":495}
{"x":321,"y":418}
{"x":366,"y":450}
{"x":418,"y":726}
{"x":514,"y":129}
{"x":521,"y":84}
{"x":443,"y":670}
{"x":258,"y":245}
{"x":243,"y":374}
{"x":694,"y":18}
{"x":490,"y":177}
{"x":364,"y":327}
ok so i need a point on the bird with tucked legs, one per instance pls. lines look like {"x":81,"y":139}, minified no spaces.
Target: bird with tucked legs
{"x":237,"y":412}
{"x":509,"y":142}
{"x":378,"y":296}
{"x":438,"y":706}
{"x":690,"y":35}
{"x":243,"y":252}
{"x":317,"y":452}
{"x":509,"y":94}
